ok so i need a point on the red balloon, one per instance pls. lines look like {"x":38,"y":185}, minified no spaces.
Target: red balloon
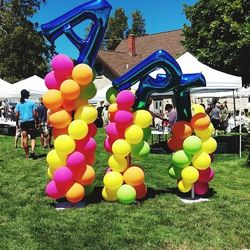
{"x":175,"y":144}
{"x":182,"y":130}
{"x":206,"y":175}
{"x":92,"y":129}
{"x":141,"y":191}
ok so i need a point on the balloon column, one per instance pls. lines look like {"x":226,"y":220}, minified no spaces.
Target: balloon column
{"x":70,"y":88}
{"x":127,"y":134}
{"x":193,"y":146}
{"x":70,"y":162}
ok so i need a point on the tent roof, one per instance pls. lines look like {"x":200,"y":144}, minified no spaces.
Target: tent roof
{"x":34,"y":84}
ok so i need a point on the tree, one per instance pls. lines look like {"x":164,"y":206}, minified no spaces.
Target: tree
{"x":23,"y":50}
{"x":219,"y":35}
{"x":117,"y":29}
{"x":138,"y":24}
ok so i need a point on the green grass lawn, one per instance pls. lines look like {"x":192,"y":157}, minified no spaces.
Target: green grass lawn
{"x":28,"y":220}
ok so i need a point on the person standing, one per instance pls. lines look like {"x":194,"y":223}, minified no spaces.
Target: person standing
{"x":224,"y":116}
{"x":171,"y":114}
{"x":26,"y":114}
{"x":41,"y":111}
{"x":215,"y":117}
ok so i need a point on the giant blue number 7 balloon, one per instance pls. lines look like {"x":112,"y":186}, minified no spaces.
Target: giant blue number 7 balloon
{"x":172,"y":80}
{"x":98,"y":11}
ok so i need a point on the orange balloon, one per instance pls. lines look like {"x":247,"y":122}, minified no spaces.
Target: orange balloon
{"x":69,"y":105}
{"x":88,"y":176}
{"x":141,"y":191}
{"x":175,"y":144}
{"x":59,"y":131}
{"x":60,"y":119}
{"x":82,"y":74}
{"x":75,"y":193}
{"x":112,"y":110}
{"x":134,"y":176}
{"x":70,"y":90}
{"x":52,"y":99}
{"x":182,"y":130}
{"x":200,"y":121}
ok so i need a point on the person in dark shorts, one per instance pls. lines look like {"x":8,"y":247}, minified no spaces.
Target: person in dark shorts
{"x":215,"y":117}
{"x":43,"y":128}
{"x":25,"y":114}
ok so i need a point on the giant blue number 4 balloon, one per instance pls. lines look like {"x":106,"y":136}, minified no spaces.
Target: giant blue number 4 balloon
{"x":98,"y":11}
{"x":172,"y":80}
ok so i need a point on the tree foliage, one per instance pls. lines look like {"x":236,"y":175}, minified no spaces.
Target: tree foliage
{"x":138,"y":24}
{"x":117,"y":29}
{"x":23,"y":50}
{"x":219,"y":35}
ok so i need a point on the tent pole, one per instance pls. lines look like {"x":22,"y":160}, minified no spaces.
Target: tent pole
{"x":240,"y":129}
{"x":234,"y":109}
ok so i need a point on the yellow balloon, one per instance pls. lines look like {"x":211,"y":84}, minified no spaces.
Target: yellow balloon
{"x":142,"y":118}
{"x":121,"y":148}
{"x":49,"y":173}
{"x":190,"y":174}
{"x":201,"y":160}
{"x":64,"y":144}
{"x":55,"y":159}
{"x":209,"y":145}
{"x":184,"y":187}
{"x":109,"y":194}
{"x":197,"y":108}
{"x":78,"y":129}
{"x":113,"y":180}
{"x":206,"y":132}
{"x":134,"y":134}
{"x":86,"y":113}
{"x":118,"y":164}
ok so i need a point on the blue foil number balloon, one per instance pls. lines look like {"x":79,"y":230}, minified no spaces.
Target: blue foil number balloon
{"x":98,"y":12}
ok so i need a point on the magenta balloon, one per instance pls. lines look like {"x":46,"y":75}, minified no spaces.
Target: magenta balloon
{"x":89,"y":146}
{"x":51,"y":81}
{"x":108,"y":145}
{"x":52,"y":191}
{"x":62,"y":65}
{"x":75,"y":159}
{"x":201,"y":188}
{"x":206,"y":175}
{"x":114,"y":132}
{"x":92,"y":130}
{"x":123,"y":118}
{"x":125,"y":99}
{"x":63,"y":178}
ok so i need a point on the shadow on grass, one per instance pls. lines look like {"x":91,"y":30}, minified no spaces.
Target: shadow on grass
{"x":96,"y":197}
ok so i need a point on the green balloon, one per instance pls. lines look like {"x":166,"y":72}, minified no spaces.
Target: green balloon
{"x":89,"y":189}
{"x":111,"y":95}
{"x":192,"y":145}
{"x":126,"y":194}
{"x":181,"y":159}
{"x":146,"y":133}
{"x":175,"y":172}
{"x":88,"y":92}
{"x":140,"y":150}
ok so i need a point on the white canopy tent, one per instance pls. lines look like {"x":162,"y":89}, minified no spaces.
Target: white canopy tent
{"x":5,"y":88}
{"x":34,"y":84}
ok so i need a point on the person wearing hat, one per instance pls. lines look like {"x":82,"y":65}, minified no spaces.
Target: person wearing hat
{"x":25,"y":114}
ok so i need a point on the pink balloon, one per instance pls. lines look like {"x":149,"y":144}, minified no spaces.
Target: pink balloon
{"x":125,"y":100}
{"x":92,"y":130}
{"x":64,"y":179}
{"x":115,"y":132}
{"x":75,"y":159}
{"x":206,"y":175}
{"x":200,"y":188}
{"x":52,"y":191}
{"x":52,"y":82}
{"x":62,"y":65}
{"x":124,"y":118}
{"x":108,"y":145}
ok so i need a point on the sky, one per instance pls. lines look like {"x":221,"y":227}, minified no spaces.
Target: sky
{"x":160,"y":16}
